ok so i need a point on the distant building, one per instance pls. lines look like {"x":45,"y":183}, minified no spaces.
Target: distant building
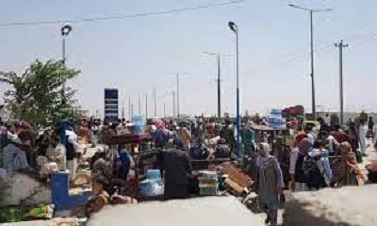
{"x":346,"y":115}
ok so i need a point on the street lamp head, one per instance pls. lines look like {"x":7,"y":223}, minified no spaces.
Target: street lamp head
{"x":298,"y":7}
{"x":233,"y":26}
{"x":310,"y":10}
{"x":66,"y":29}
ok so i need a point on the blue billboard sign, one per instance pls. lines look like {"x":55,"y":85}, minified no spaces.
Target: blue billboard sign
{"x":111,"y":102}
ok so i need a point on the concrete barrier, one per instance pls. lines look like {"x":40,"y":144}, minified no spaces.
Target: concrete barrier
{"x":348,"y":206}
{"x":206,"y":211}
{"x":27,"y":190}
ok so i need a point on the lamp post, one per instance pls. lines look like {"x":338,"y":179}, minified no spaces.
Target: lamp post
{"x":65,"y":30}
{"x":311,"y":11}
{"x":234,"y":28}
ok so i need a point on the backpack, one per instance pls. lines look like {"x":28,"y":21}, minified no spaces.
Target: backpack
{"x":312,"y":175}
{"x":222,"y":151}
{"x":199,"y":152}
{"x":299,"y":171}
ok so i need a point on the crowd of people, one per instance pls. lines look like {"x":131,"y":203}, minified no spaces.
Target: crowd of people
{"x":300,"y":158}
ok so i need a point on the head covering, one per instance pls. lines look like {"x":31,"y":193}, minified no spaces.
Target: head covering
{"x":266,"y":150}
{"x":221,"y":141}
{"x":299,"y":137}
{"x":304,"y":146}
{"x":99,"y":166}
{"x":350,"y":159}
{"x":178,"y":143}
{"x":345,"y":148}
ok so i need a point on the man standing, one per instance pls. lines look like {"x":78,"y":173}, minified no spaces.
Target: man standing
{"x":228,"y":134}
{"x":14,"y":158}
{"x":72,"y":149}
{"x":184,"y":135}
{"x":177,"y":166}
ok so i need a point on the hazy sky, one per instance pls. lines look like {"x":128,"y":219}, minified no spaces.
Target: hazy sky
{"x":138,"y":54}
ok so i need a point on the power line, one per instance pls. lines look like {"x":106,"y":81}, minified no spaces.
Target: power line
{"x":92,"y":19}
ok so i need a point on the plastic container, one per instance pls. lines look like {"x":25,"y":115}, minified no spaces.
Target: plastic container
{"x":153,"y":174}
{"x":139,"y":124}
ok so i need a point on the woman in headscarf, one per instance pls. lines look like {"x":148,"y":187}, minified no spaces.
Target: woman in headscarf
{"x":348,"y":170}
{"x":248,"y":138}
{"x":295,"y":164}
{"x":269,"y":182}
{"x":305,"y":145}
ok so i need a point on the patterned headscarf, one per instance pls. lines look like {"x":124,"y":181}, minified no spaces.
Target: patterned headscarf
{"x":350,"y":158}
{"x":304,"y":146}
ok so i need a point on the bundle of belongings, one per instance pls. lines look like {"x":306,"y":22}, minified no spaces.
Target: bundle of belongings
{"x":236,"y":181}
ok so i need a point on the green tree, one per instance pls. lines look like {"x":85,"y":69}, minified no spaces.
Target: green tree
{"x":362,"y":118}
{"x":334,"y":119}
{"x":37,"y":95}
{"x":256,"y":118}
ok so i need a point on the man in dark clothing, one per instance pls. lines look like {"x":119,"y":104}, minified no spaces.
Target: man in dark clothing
{"x":177,"y":166}
{"x":228,"y":134}
{"x":370,"y":124}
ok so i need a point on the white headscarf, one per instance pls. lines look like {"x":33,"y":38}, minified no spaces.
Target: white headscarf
{"x":266,"y":150}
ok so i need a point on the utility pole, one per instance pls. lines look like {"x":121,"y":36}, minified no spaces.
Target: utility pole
{"x":129,"y":109}
{"x":164,"y":110}
{"x":146,"y":106}
{"x":341,"y":45}
{"x":311,"y":12}
{"x":218,"y":87}
{"x":173,"y":104}
{"x":155,"y":102}
{"x":132,"y":112}
{"x":139,"y":104}
{"x":218,"y":80}
{"x":122,"y":110}
{"x":178,"y":96}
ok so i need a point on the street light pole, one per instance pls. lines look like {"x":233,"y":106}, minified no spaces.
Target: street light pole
{"x":234,"y":28}
{"x":218,"y":86}
{"x":312,"y":62}
{"x":311,"y":11}
{"x":65,"y":30}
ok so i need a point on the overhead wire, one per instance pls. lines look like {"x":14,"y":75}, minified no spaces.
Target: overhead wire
{"x":92,"y":19}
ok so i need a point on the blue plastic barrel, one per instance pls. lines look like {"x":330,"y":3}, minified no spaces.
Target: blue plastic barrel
{"x":139,"y":124}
